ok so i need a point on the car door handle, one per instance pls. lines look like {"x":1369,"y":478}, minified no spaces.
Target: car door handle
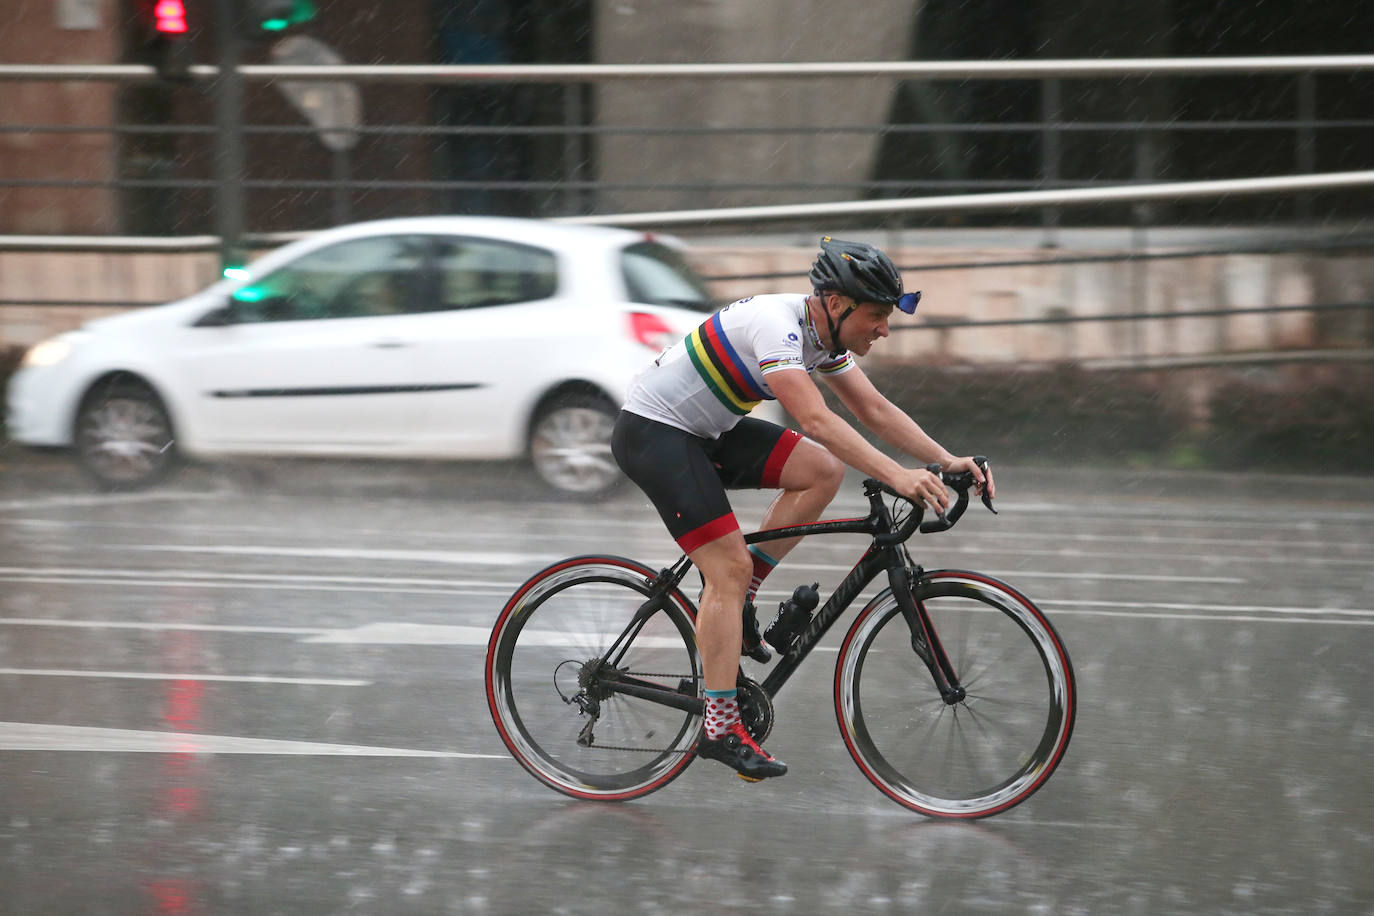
{"x":390,"y":344}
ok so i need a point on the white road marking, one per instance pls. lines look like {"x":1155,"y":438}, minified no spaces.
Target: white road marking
{"x":489,"y":558}
{"x":483,"y":589}
{"x":186,"y":676}
{"x":413,"y":634}
{"x":422,"y":634}
{"x":1123,"y":577}
{"x":1229,"y":618}
{"x":161,"y":625}
{"x":109,"y":499}
{"x":174,"y":574}
{"x":25,"y":736}
{"x":1059,"y":603}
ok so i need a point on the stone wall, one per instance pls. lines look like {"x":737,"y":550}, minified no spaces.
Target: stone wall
{"x":727,"y":31}
{"x":58,"y":33}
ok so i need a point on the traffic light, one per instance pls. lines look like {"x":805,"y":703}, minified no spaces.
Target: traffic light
{"x":169,"y":18}
{"x":168,"y":38}
{"x":268,"y":17}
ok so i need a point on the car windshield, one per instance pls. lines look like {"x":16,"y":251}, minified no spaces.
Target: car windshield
{"x":657,"y":275}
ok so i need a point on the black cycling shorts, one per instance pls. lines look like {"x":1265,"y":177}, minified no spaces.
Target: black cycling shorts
{"x":685,"y":476}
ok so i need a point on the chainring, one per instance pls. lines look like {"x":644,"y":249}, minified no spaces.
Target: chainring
{"x":755,"y":709}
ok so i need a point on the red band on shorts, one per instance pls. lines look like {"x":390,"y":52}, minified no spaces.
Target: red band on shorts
{"x":772,"y":469}
{"x":708,"y":532}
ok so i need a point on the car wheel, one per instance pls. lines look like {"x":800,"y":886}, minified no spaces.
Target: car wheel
{"x":570,"y":446}
{"x":124,"y":436}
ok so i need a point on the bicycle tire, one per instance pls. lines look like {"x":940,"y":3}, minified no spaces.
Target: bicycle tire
{"x":985,"y":754}
{"x":559,"y":621}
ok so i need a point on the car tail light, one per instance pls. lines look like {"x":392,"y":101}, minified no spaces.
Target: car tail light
{"x":651,"y":330}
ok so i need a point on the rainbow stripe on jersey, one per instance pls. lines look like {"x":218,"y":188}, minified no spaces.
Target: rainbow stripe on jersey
{"x":725,"y":374}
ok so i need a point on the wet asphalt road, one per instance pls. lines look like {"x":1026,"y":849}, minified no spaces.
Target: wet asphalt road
{"x":262,"y":693}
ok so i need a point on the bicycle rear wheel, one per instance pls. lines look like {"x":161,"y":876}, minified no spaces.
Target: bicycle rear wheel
{"x":543,"y":680}
{"x":977,"y":757}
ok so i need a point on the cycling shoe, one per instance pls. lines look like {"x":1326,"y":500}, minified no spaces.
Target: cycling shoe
{"x":738,"y":751}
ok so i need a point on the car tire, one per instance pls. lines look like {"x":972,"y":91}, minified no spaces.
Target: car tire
{"x":570,"y":446}
{"x":123,"y":436}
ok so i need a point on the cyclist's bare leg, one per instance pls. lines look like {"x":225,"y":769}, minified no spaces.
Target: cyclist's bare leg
{"x":726,"y":567}
{"x":810,"y":479}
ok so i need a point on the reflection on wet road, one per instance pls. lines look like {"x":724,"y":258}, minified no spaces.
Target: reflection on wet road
{"x":269,"y":699}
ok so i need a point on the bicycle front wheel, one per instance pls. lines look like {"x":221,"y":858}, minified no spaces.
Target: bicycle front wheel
{"x":548,"y":690}
{"x":981,"y":755}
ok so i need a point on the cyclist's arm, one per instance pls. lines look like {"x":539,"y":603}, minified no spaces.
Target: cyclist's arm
{"x":801,"y":398}
{"x":887,"y":420}
{"x":894,"y":426}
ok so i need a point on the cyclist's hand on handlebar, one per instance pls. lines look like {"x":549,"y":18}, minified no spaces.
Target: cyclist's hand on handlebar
{"x":924,"y":488}
{"x":982,"y":475}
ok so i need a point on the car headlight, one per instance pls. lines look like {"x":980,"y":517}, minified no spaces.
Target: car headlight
{"x":51,"y":351}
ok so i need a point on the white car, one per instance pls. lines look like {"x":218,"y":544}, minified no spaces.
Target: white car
{"x":432,"y":337}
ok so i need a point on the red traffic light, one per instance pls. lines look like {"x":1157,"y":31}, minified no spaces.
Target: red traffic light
{"x":169,"y":17}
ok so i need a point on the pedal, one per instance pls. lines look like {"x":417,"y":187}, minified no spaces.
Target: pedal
{"x":753,"y":645}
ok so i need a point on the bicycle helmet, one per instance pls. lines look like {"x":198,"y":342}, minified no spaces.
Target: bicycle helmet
{"x":861,"y":272}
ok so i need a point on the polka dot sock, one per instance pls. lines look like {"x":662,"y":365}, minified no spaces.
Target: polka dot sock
{"x":722,"y":711}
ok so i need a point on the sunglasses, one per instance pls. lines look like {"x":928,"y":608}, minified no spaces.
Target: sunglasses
{"x":908,"y":301}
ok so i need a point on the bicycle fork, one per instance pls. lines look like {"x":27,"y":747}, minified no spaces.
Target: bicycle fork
{"x":925,"y":642}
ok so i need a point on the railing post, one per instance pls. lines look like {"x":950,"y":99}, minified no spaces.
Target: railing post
{"x":229,"y":155}
{"x":1051,"y":151}
{"x":1305,"y":152}
{"x":573,"y":151}
{"x":340,"y":169}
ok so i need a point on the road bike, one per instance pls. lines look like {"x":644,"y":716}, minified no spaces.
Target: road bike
{"x":953,"y":692}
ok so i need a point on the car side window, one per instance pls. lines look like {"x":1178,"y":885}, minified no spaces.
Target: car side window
{"x":477,"y":273}
{"x":658,"y":275}
{"x":353,"y":279}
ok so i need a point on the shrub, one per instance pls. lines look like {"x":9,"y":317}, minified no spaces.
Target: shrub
{"x":1030,"y":416}
{"x":1313,"y":419}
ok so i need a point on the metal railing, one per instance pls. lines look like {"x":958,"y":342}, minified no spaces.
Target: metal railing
{"x":573,"y":189}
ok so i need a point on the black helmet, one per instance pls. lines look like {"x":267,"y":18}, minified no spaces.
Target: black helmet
{"x":859,"y":271}
{"x":864,"y":274}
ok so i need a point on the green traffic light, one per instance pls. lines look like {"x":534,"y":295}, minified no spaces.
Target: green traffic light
{"x":301,"y":11}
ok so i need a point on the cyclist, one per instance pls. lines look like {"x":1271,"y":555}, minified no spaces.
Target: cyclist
{"x":684,"y":437}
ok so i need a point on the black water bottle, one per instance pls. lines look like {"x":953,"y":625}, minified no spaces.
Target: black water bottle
{"x":793,"y":616}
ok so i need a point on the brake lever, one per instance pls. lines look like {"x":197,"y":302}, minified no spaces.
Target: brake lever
{"x":940,"y":473}
{"x":982,"y":463}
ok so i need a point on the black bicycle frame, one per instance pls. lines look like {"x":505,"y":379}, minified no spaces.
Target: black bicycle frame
{"x":875,"y":560}
{"x":884,"y":554}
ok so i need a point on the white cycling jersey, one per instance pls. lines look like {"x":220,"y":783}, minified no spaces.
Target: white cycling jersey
{"x":718,"y":373}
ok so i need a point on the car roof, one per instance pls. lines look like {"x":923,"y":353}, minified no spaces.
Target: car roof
{"x":533,"y":231}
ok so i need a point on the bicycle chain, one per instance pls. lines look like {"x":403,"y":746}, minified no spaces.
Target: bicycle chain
{"x":646,"y":750}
